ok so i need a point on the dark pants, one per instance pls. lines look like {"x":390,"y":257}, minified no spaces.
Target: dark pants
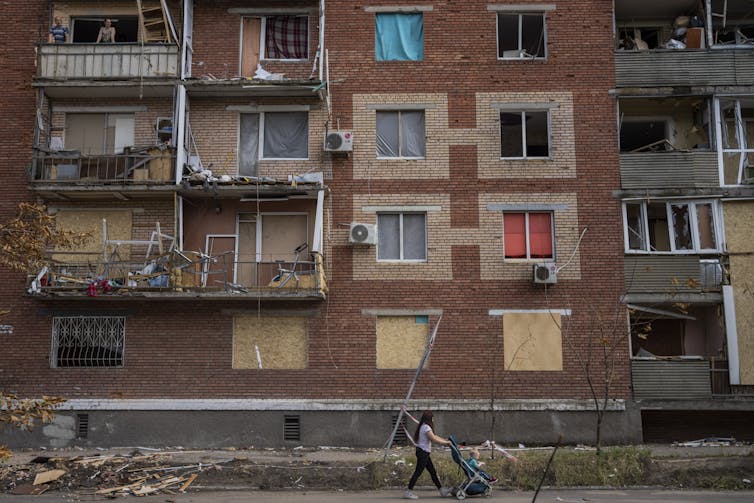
{"x":423,"y":461}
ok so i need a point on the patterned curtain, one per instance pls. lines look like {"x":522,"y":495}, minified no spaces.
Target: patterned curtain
{"x":287,"y":37}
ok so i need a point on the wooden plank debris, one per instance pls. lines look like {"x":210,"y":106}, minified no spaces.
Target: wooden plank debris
{"x":48,"y":476}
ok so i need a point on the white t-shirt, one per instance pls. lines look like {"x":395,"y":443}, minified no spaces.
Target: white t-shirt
{"x":424,"y":442}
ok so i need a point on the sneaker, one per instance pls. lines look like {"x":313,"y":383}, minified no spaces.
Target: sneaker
{"x":444,"y":491}
{"x":493,"y":480}
{"x":409,"y":495}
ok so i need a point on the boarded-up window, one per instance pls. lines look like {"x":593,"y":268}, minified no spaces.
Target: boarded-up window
{"x":401,"y":341}
{"x":532,"y":341}
{"x":269,"y":342}
{"x":118,"y":228}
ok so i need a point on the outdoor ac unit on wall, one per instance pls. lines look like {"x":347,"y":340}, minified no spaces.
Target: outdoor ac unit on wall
{"x":362,"y":234}
{"x":339,"y":141}
{"x":545,"y":273}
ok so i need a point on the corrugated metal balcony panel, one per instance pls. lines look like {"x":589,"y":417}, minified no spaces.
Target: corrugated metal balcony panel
{"x":107,"y":61}
{"x":680,"y":379}
{"x":658,"y":170}
{"x":662,"y":273}
{"x":706,"y":67}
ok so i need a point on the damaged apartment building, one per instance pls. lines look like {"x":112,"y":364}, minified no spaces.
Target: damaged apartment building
{"x":285,"y":201}
{"x":685,"y":106}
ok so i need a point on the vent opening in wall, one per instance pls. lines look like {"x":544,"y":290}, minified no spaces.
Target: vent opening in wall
{"x":82,"y":425}
{"x":400,"y":437}
{"x":292,"y":427}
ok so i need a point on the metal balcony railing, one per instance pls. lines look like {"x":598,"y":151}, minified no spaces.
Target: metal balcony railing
{"x":71,"y":167}
{"x":107,"y":61}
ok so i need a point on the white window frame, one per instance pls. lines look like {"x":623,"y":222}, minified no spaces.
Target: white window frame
{"x":263,"y":37}
{"x":400,"y":112}
{"x":400,"y":237}
{"x":260,"y":137}
{"x":529,"y":258}
{"x":92,"y":331}
{"x":744,"y":149}
{"x":693,"y":222}
{"x":523,"y":132}
{"x":521,"y":55}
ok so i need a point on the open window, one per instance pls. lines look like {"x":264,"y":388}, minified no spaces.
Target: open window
{"x":281,"y":37}
{"x":399,"y":36}
{"x":86,"y":28}
{"x":643,"y":134}
{"x":521,"y":35}
{"x":528,"y":235}
{"x":400,"y":134}
{"x":524,"y":134}
{"x":671,"y":227}
{"x":272,"y":136}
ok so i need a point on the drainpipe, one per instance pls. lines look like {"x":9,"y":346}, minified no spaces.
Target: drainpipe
{"x":321,"y":37}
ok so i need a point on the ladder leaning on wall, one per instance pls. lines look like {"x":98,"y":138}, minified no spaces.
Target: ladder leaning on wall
{"x":154,"y":23}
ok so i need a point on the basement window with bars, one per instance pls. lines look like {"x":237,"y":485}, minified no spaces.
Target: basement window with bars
{"x":88,"y":341}
{"x":292,"y":427}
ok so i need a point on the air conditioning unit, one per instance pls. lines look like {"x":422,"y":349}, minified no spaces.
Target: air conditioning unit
{"x":339,"y":141}
{"x":362,"y":234}
{"x":545,"y":273}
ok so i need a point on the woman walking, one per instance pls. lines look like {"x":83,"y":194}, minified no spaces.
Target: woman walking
{"x":423,"y":438}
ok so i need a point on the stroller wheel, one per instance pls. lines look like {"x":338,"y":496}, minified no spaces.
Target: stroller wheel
{"x":461,"y":494}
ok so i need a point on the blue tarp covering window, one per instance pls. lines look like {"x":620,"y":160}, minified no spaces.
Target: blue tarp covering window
{"x":399,"y":37}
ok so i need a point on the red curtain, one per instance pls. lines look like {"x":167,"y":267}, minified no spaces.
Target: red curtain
{"x":514,"y":232}
{"x":540,"y":235}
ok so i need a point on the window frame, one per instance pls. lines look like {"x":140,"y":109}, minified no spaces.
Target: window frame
{"x":400,"y":112}
{"x":744,"y":149}
{"x":55,"y":342}
{"x":401,"y":250}
{"x":693,"y":222}
{"x":523,"y":112}
{"x":667,"y":120}
{"x":261,"y":133}
{"x":521,"y":51}
{"x":377,"y":15}
{"x":528,"y":257}
{"x":263,"y":37}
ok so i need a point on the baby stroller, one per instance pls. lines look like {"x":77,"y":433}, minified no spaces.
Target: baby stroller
{"x":474,"y":484}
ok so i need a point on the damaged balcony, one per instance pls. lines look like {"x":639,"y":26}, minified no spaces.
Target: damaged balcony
{"x":684,"y":43}
{"x":665,"y":143}
{"x":679,"y":351}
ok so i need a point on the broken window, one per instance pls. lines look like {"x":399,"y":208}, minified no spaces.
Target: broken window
{"x":524,"y":134}
{"x":272,"y":135}
{"x":282,"y":37}
{"x":671,"y":227}
{"x":738,"y":141}
{"x":527,"y":235}
{"x":98,"y":134}
{"x":86,"y":29}
{"x":88,"y":341}
{"x":402,"y":236}
{"x":399,"y":36}
{"x":521,"y":35}
{"x":636,"y":134}
{"x":400,"y":134}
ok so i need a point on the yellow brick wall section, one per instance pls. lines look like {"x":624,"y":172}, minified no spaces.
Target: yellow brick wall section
{"x":561,"y":164}
{"x":440,"y":238}
{"x":216,"y":130}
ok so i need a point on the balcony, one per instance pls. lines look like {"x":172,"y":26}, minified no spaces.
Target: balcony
{"x":107,"y":61}
{"x":178,"y":274}
{"x":674,"y":275}
{"x":679,"y":379}
{"x":669,"y":169}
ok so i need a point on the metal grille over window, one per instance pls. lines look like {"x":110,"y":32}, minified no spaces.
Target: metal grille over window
{"x":82,"y":428}
{"x":292,"y":428}
{"x":400,"y":434}
{"x":88,"y":341}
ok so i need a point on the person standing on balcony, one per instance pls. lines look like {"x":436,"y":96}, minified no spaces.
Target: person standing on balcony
{"x":59,"y":34}
{"x":106,"y":32}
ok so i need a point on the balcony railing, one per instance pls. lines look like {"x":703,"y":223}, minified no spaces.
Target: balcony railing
{"x":107,"y":61}
{"x":178,"y":273}
{"x":695,"y":67}
{"x":679,"y":378}
{"x":149,"y":165}
{"x":677,"y":169}
{"x":673,"y":274}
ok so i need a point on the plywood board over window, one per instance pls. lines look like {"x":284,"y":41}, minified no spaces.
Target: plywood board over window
{"x":532,"y":341}
{"x":401,"y":341}
{"x":90,"y":221}
{"x":269,"y":342}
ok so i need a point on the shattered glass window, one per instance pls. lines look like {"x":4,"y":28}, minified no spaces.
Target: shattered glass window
{"x":524,"y":134}
{"x":681,"y":227}
{"x":637,"y":239}
{"x":521,"y":35}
